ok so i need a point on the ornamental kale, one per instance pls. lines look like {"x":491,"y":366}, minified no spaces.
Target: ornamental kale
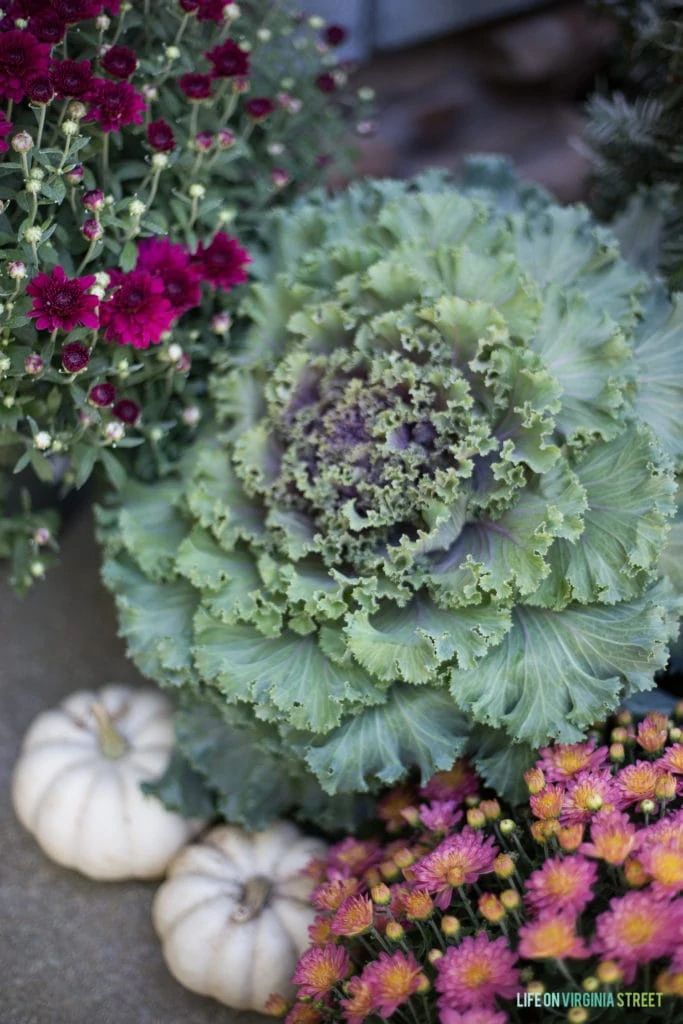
{"x":432,"y":523}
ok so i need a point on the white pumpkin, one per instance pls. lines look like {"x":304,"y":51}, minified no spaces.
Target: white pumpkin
{"x":233,"y":914}
{"x":76,"y":785}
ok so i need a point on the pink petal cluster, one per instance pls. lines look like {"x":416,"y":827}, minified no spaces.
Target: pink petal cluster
{"x":458,"y":860}
{"x":562,"y":882}
{"x":62,"y":303}
{"x":637,"y":929}
{"x":136,"y":312}
{"x":221,"y":263}
{"x":171,"y":263}
{"x":114,"y":104}
{"x":474,"y":973}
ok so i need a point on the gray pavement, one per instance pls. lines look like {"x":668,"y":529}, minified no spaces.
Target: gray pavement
{"x":72,"y":951}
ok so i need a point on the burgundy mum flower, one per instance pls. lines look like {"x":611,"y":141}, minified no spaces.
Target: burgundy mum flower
{"x":75,"y":11}
{"x":160,"y":136}
{"x":75,"y":357}
{"x":259,"y":108}
{"x":102,"y":394}
{"x":22,"y":57}
{"x":334,"y":35}
{"x":127,"y":411}
{"x":206,"y":10}
{"x":47,"y":27}
{"x":61,"y":302}
{"x":325,"y":82}
{"x":114,"y":104}
{"x":171,"y":263}
{"x":5,"y":128}
{"x":39,"y":90}
{"x":228,"y":60}
{"x":137,"y":313}
{"x":195,"y":86}
{"x":119,"y":61}
{"x":222,"y":262}
{"x":71,"y":78}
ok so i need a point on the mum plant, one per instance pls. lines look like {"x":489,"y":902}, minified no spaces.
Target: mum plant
{"x":140,"y":145}
{"x":571,"y":910}
{"x":432,"y":522}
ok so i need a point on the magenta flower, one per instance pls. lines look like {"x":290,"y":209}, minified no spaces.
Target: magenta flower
{"x":222,"y":262}
{"x":74,"y":11}
{"x":613,"y":837}
{"x":392,"y":979}
{"x":562,"y":882}
{"x":472,"y":974}
{"x":39,"y":89}
{"x":171,"y":263}
{"x":458,"y":860}
{"x":119,"y":61}
{"x":259,"y":108}
{"x":457,"y":783}
{"x":127,"y":411}
{"x":114,"y":104}
{"x":637,"y":929}
{"x":563,"y":761}
{"x":480,"y":1016}
{"x":62,"y":303}
{"x":136,"y":313}
{"x":75,"y":357}
{"x":22,"y":58}
{"x":71,"y":78}
{"x":160,"y":136}
{"x":589,"y":792}
{"x":439,"y":815}
{"x":102,"y":394}
{"x":325,"y":82}
{"x":47,"y":27}
{"x":334,"y":35}
{"x":5,"y":129}
{"x":228,"y":60}
{"x":320,"y":969}
{"x":195,"y":86}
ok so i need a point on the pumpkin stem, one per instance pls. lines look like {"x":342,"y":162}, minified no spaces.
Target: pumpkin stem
{"x":253,"y":898}
{"x":112,"y":743}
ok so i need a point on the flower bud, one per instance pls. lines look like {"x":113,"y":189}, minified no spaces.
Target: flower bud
{"x":75,"y":357}
{"x":92,"y":229}
{"x":624,"y":718}
{"x":507,"y":826}
{"x":394,"y":931}
{"x":231,"y":12}
{"x":648,"y":806}
{"x":450,"y":926}
{"x":5,"y":363}
{"x":93,"y":200}
{"x":535,"y":988}
{"x":491,"y":908}
{"x":102,"y":394}
{"x":504,"y":865}
{"x":174,"y":353}
{"x":617,"y":752}
{"x":127,"y":411}
{"x":279,"y":177}
{"x":159,"y":161}
{"x":16,"y":270}
{"x":476,"y":817}
{"x":316,"y":22}
{"x":381,"y":895}
{"x":136,"y":208}
{"x":203,"y":141}
{"x":114,"y":432}
{"x":366,"y":94}
{"x":42,"y":536}
{"x":404,"y":858}
{"x":33,"y":364}
{"x":42,"y":440}
{"x":590,"y":983}
{"x":490,"y":809}
{"x":191,"y":415}
{"x":77,"y":110}
{"x":75,"y":174}
{"x":389,"y":871}
{"x":37,"y":569}
{"x":184,"y":363}
{"x":570,"y":837}
{"x":665,"y":787}
{"x":32,"y":186}
{"x":634,"y":873}
{"x":577,"y":1015}
{"x":22,"y":142}
{"x":609,"y":972}
{"x":264,"y":35}
{"x":675,"y":734}
{"x":102,"y":23}
{"x":149,"y":91}
{"x":196,"y":191}
{"x":221,"y":323}
{"x":34,"y":234}
{"x":434,"y":955}
{"x":535,"y":780}
{"x":543,"y":831}
{"x":172,"y":53}
{"x":70,"y":128}
{"x":510,"y":899}
{"x":276,"y":1006}
{"x":225,"y":138}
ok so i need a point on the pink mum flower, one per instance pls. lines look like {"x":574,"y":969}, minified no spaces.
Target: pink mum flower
{"x":22,"y":58}
{"x":563,"y":761}
{"x":359,"y":1003}
{"x":481,"y":1016}
{"x":672,"y":760}
{"x":331,"y":895}
{"x":459,"y":859}
{"x":440,"y":815}
{"x":170,"y":262}
{"x":393,"y":979}
{"x":637,"y":782}
{"x":653,"y":731}
{"x":637,"y":929}
{"x":320,"y":969}
{"x":551,"y":937}
{"x":222,"y":262}
{"x":228,"y":60}
{"x":352,"y":856}
{"x":589,"y":792}
{"x":457,"y":783}
{"x":72,"y":78}
{"x":62,"y":303}
{"x":547,"y":803}
{"x":136,"y":313}
{"x":562,"y":882}
{"x":613,"y":837}
{"x":664,"y":863}
{"x":114,"y":104}
{"x":354,"y":917}
{"x":471,"y":975}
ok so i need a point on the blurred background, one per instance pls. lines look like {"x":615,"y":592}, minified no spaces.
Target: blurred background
{"x":459,"y":76}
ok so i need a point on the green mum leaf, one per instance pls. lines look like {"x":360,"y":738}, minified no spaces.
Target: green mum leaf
{"x":415,"y":728}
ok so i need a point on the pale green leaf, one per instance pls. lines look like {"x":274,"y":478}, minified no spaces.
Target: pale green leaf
{"x":415,"y":729}
{"x":659,"y":357}
{"x":151,"y":526}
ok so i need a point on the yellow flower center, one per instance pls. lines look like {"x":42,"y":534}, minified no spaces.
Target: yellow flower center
{"x":569,"y":762}
{"x":552,"y":939}
{"x":666,"y":866}
{"x":638,"y":928}
{"x":477,"y":974}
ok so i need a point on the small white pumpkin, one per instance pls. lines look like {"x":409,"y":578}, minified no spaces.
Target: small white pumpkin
{"x":76,"y":785}
{"x":233,"y":914}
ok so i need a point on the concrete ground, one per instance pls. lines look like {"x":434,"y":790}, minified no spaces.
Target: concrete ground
{"x":72,"y":951}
